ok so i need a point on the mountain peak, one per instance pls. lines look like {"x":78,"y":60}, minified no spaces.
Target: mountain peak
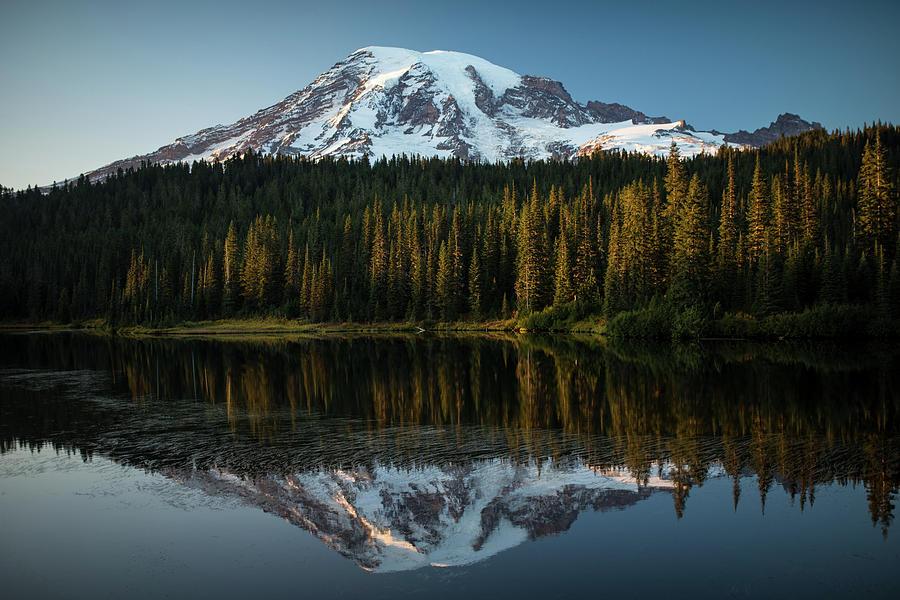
{"x":384,"y":101}
{"x":787,"y":124}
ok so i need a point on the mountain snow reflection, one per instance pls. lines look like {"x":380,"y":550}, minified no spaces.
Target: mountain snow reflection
{"x":401,"y":452}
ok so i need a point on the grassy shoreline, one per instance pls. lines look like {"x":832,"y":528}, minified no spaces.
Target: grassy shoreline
{"x":660,"y":323}
{"x":263,"y":326}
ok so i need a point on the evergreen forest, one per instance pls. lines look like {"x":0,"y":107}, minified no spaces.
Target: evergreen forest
{"x":797,"y":238}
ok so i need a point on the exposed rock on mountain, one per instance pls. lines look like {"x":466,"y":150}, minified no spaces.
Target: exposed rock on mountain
{"x":616,"y":113}
{"x":786,"y":124}
{"x":386,"y":101}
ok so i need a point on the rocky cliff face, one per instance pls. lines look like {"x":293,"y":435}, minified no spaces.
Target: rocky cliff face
{"x":616,"y":113}
{"x":386,"y":101}
{"x":786,"y":124}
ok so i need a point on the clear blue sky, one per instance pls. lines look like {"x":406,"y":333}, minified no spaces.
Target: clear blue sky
{"x":86,"y":83}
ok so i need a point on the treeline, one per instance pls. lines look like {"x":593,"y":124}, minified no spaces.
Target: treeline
{"x":805,"y":223}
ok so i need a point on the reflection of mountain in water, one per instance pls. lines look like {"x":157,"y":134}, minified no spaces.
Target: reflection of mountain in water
{"x":391,"y":519}
{"x":400,"y":419}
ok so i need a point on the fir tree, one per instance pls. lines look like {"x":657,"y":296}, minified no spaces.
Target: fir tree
{"x":291,"y":276}
{"x":306,"y":284}
{"x":445,"y":288}
{"x":564,"y":292}
{"x":676,"y":184}
{"x":418,"y":269}
{"x":691,"y":245}
{"x":758,"y":219}
{"x":378,"y":271}
{"x":530,"y":284}
{"x":475,"y":278}
{"x":612,"y":284}
{"x":877,"y":196}
{"x":231,"y":262}
{"x":728,"y":254}
{"x":586,"y":268}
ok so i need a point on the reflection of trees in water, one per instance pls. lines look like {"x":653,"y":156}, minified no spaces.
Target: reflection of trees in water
{"x":798,"y":416}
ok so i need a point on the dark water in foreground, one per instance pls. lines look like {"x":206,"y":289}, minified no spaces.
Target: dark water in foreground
{"x":446,"y":466}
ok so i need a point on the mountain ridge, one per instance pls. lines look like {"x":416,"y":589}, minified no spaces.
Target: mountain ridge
{"x":382,"y":101}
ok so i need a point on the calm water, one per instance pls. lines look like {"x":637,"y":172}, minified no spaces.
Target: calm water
{"x":441,"y":466}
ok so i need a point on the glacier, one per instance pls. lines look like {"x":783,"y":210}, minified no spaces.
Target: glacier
{"x":383,"y":102}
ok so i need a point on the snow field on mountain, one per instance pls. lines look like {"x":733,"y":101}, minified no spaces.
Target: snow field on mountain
{"x":358,"y":108}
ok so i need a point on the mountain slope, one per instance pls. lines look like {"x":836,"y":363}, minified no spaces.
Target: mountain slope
{"x":385,"y":101}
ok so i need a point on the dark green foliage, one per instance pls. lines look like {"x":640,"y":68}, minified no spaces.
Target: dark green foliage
{"x":690,"y":263}
{"x":532,"y":267}
{"x":690,"y":323}
{"x":563,"y":279}
{"x":804,"y":222}
{"x":652,"y":322}
{"x":877,"y":189}
{"x":824,"y":321}
{"x":559,"y":317}
{"x":475,"y":277}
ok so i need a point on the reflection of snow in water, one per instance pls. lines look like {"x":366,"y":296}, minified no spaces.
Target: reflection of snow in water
{"x":394,"y":519}
{"x":389,"y":497}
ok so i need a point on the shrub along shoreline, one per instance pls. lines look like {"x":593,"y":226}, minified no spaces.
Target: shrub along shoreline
{"x":658,"y":320}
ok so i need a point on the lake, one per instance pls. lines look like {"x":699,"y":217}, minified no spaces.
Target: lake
{"x":442,"y":466}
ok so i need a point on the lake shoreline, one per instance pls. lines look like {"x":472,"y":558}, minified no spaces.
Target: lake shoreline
{"x":250,"y":327}
{"x":708,"y":331}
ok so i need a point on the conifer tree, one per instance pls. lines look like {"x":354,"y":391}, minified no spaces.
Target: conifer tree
{"x":379,"y":265}
{"x":231,"y":267}
{"x":490,"y":260}
{"x":676,"y":184}
{"x":612,"y":284}
{"x":530,"y":288}
{"x":260,"y":274}
{"x":564,"y":292}
{"x":758,"y":219}
{"x":658,"y":260}
{"x":475,"y":278}
{"x":806,"y":203}
{"x":432,"y":261}
{"x":877,"y":196}
{"x":833,"y":289}
{"x":784,"y":219}
{"x":585,"y":271}
{"x":346,"y":270}
{"x":306,"y":284}
{"x":291,"y":276}
{"x":445,"y":291}
{"x":817,"y":195}
{"x":320,"y":290}
{"x":209,"y":288}
{"x":769,"y":287}
{"x":418,"y":269}
{"x":729,"y":235}
{"x":457,"y":242}
{"x":691,"y":244}
{"x":635,"y":243}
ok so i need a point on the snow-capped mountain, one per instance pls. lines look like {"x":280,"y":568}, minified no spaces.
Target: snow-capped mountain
{"x":390,"y":101}
{"x":387,"y":518}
